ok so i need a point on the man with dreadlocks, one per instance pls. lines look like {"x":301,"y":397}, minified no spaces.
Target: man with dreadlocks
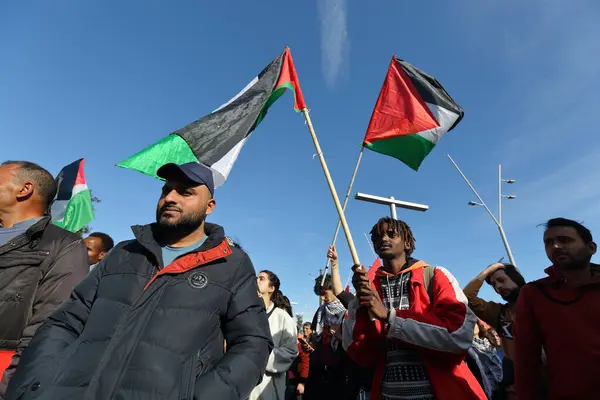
{"x":417,"y":337}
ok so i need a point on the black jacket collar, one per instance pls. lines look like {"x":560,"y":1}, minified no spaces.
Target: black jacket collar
{"x":37,"y":228}
{"x":146,"y":235}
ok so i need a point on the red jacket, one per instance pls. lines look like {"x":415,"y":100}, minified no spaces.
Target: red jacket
{"x":565,"y":321}
{"x":442,"y":330}
{"x":299,"y":369}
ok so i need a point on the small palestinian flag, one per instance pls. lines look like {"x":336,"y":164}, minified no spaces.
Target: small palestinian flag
{"x":72,"y":206}
{"x":412,"y":113}
{"x":217,"y":139}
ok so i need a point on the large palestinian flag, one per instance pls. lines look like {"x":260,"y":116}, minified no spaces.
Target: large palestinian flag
{"x":72,"y":206}
{"x":412,"y":113}
{"x":217,"y":139}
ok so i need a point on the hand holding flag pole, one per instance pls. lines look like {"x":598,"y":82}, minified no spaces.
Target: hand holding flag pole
{"x":372,"y":266}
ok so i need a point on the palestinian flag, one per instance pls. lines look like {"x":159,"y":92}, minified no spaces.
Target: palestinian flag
{"x":412,"y":113}
{"x":72,"y":206}
{"x":217,"y":139}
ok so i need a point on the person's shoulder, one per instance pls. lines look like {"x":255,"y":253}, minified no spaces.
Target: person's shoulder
{"x":541,"y":281}
{"x":60,"y":236}
{"x":238,"y":255}
{"x":236,"y":266}
{"x":124,"y":248}
{"x":126,"y":245}
{"x":545,"y":281}
{"x":533,"y":287}
{"x":54,"y":232}
{"x":438,"y":270}
{"x":283,"y":316}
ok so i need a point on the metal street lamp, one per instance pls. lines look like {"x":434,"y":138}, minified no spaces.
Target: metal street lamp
{"x":497,"y":221}
{"x":500,"y":195}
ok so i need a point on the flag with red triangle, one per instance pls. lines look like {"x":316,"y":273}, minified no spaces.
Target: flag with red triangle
{"x":216,"y":139}
{"x":72,"y":207}
{"x":373,"y":269}
{"x":412,"y":113}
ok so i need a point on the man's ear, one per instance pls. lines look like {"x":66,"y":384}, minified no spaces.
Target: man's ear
{"x":25,"y":191}
{"x":593,"y":247}
{"x":101,"y":255}
{"x":210,"y":206}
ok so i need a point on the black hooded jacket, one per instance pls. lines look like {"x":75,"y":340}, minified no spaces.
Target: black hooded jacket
{"x":38,"y":271}
{"x":135,"y":330}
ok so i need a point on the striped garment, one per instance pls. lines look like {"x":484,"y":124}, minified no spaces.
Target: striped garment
{"x":330,"y":314}
{"x":404,"y":376}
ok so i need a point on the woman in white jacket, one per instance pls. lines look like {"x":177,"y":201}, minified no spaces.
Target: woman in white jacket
{"x":285,"y":340}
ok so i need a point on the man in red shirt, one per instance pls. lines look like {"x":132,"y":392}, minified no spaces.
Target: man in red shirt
{"x":561,"y":315}
{"x":411,"y":324}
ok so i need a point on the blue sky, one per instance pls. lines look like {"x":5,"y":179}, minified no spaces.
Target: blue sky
{"x":102,"y":80}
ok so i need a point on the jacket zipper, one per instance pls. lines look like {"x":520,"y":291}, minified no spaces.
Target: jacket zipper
{"x":123,"y":319}
{"x":155,"y":271}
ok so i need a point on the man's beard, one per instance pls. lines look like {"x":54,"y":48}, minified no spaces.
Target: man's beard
{"x":574,"y":263}
{"x":512,"y":296}
{"x":186,"y":224}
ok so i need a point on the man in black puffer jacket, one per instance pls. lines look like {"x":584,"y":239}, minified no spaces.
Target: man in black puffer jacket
{"x":40,"y":263}
{"x":150,"y":320}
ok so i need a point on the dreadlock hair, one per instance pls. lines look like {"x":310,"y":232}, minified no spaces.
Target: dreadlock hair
{"x":583,"y":232}
{"x":512,"y":273}
{"x":277,"y":297}
{"x":399,"y":227}
{"x":327,"y":284}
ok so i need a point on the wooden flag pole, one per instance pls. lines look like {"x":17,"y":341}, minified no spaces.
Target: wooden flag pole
{"x":348,"y":193}
{"x":336,"y":199}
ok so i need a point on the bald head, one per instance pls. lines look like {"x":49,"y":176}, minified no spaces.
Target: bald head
{"x":25,"y":184}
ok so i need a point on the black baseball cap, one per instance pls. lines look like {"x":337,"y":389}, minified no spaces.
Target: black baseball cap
{"x":195,"y":172}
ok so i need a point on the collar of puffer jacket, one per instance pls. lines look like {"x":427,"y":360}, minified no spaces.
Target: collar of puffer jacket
{"x":147,"y":236}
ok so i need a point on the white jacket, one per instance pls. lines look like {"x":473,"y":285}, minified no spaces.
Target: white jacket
{"x":285,"y":350}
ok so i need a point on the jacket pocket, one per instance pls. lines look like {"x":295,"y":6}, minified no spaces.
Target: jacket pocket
{"x":58,"y":364}
{"x":189,"y":378}
{"x":203,"y":365}
{"x":193,"y":368}
{"x":44,"y":378}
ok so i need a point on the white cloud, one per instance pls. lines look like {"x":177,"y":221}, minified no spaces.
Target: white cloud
{"x":334,"y":37}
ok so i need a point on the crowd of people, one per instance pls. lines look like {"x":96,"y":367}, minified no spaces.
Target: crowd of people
{"x":179,"y":312}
